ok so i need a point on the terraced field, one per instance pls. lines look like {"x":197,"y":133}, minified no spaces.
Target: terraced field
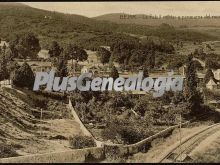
{"x":21,"y":127}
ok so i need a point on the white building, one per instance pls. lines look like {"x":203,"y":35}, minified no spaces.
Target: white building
{"x":90,"y":69}
{"x":2,"y":43}
{"x":212,"y":85}
{"x":43,"y":54}
{"x":216,"y":73}
{"x":106,"y":47}
{"x":39,"y":66}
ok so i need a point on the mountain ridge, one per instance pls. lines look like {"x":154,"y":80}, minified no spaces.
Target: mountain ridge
{"x":143,"y":19}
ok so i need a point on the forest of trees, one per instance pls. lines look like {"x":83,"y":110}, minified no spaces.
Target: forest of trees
{"x":85,"y":32}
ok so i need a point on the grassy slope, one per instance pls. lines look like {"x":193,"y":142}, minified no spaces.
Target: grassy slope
{"x":21,"y":126}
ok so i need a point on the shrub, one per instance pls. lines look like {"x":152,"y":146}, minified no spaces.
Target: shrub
{"x":7,"y":151}
{"x":23,"y":77}
{"x":127,"y":131}
{"x":79,"y":141}
{"x":52,"y":95}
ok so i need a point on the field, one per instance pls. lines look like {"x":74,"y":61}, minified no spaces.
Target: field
{"x":22,"y":128}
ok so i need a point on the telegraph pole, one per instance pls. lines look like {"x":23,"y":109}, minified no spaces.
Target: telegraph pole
{"x":41,"y":116}
{"x":180,"y":134}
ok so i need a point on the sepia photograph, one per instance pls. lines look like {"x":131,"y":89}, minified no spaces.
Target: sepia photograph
{"x":110,"y":82}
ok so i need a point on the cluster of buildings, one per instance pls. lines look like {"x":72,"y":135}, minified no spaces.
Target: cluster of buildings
{"x":93,"y":65}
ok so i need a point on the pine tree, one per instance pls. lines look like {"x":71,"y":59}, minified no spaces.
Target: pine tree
{"x":114,"y":73}
{"x":151,"y":59}
{"x":62,"y":68}
{"x":145,"y":72}
{"x":192,"y":95}
{"x":3,"y":68}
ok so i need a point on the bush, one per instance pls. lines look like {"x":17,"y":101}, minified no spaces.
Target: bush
{"x":39,"y":101}
{"x":126,"y":131}
{"x":7,"y":151}
{"x":53,"y":95}
{"x":79,"y":141}
{"x":23,"y":77}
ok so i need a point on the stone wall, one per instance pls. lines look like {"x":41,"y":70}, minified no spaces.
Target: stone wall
{"x":75,"y":156}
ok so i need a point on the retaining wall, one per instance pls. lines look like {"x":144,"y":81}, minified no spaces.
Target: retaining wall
{"x":82,"y":126}
{"x":141,"y":146}
{"x":74,"y":156}
{"x":77,"y":119}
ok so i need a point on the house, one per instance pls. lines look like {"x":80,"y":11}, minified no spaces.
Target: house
{"x":216,"y":73}
{"x":90,"y":69}
{"x":2,"y":43}
{"x":92,"y":57}
{"x":106,"y":47}
{"x":47,"y":17}
{"x":39,"y":66}
{"x":44,"y":54}
{"x":213,"y":85}
{"x":85,"y":69}
{"x":42,"y":67}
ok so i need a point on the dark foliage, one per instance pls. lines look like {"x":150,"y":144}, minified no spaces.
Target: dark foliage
{"x":79,"y":142}
{"x":23,"y":77}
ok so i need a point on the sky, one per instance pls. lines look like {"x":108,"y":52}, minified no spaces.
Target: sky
{"x":92,"y":9}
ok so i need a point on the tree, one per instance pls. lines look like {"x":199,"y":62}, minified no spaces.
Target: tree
{"x":55,"y":49}
{"x":176,"y":64}
{"x":3,"y":68}
{"x":211,"y":64}
{"x":27,"y":45}
{"x":209,"y":47}
{"x":138,"y":57}
{"x":121,"y":50}
{"x":196,"y":52}
{"x":192,"y":96}
{"x":181,"y":44}
{"x":120,"y":100}
{"x":4,"y":48}
{"x":209,"y":74}
{"x":23,"y":77}
{"x":11,"y":67}
{"x":145,"y":72}
{"x":114,"y":73}
{"x":104,"y":55}
{"x":151,"y":59}
{"x":178,"y":98}
{"x":141,"y":107}
{"x":9,"y":54}
{"x":198,"y":65}
{"x":62,"y":68}
{"x":73,"y":52}
{"x":7,"y":65}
